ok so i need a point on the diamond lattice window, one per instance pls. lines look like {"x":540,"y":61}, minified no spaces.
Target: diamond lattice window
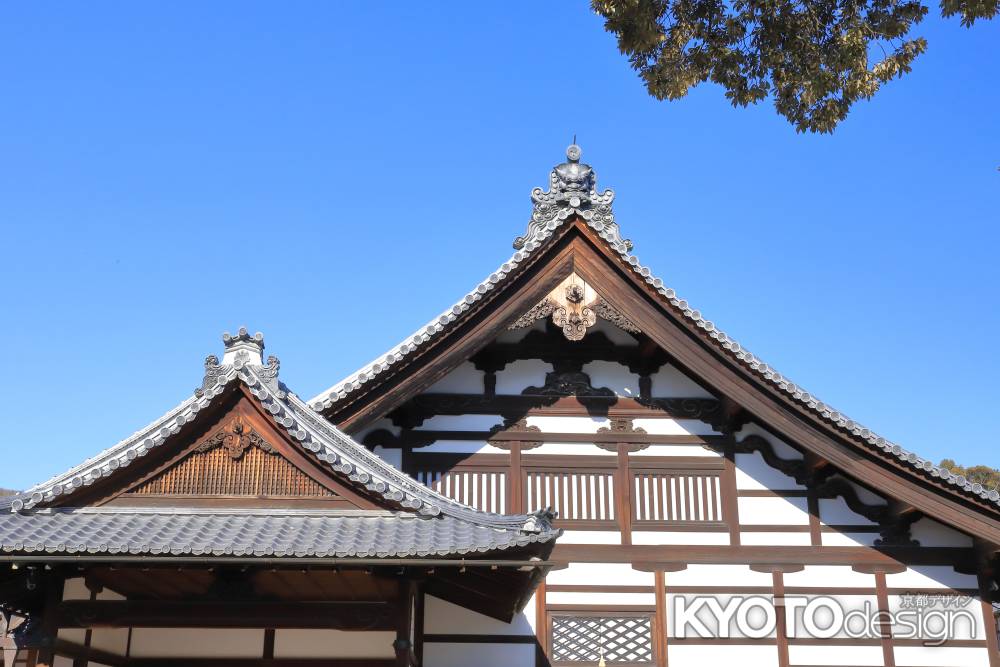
{"x":625,"y":640}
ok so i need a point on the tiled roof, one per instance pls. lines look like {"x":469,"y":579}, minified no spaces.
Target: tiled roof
{"x":552,"y":210}
{"x":259,"y":533}
{"x":328,"y":444}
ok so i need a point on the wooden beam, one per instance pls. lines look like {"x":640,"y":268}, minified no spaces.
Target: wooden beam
{"x":346,"y":615}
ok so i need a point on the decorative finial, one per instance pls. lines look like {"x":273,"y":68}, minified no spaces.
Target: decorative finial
{"x":243,"y":348}
{"x":572,"y":190}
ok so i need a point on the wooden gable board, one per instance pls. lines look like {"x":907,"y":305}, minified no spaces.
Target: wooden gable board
{"x":577,"y":248}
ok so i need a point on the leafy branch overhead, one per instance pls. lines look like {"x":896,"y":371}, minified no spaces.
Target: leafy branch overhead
{"x":816,"y":58}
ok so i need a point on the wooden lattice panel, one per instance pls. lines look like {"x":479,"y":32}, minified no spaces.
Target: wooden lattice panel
{"x":677,"y":497}
{"x":216,"y":472}
{"x":584,"y":495}
{"x":583,"y":639}
{"x":485,"y":490}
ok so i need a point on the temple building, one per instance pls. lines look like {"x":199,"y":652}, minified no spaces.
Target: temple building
{"x":570,"y":466}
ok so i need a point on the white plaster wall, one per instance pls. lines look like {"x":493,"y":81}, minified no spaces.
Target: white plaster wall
{"x":964,"y":626}
{"x":763,"y":538}
{"x":781,"y":448}
{"x":591,"y":537}
{"x":836,"y":511}
{"x":581,"y":598}
{"x":753,"y":473}
{"x":301,"y":643}
{"x":668,"y":382}
{"x":941,"y":656}
{"x":75,"y":589}
{"x":521,"y":374}
{"x":478,"y":655}
{"x":613,"y":574}
{"x":866,"y":605}
{"x":614,"y":376}
{"x":108,"y":594}
{"x":196,"y":643}
{"x":773,"y":510}
{"x":931,"y":576}
{"x":391,"y":455}
{"x":860,"y":656}
{"x":567,"y":449}
{"x":442,"y":617}
{"x":458,"y":447}
{"x":460,"y":423}
{"x":112,"y":640}
{"x":744,"y":655}
{"x":839,"y":539}
{"x":830,"y":576}
{"x":669,"y":426}
{"x":465,"y":379}
{"x":568,"y":424}
{"x":930,"y":533}
{"x":717,"y":575}
{"x":678,"y":450}
{"x":63,"y":661}
{"x":615,"y":334}
{"x":718,"y":626}
{"x":516,"y":335}
{"x":74,"y":635}
{"x":665,"y":537}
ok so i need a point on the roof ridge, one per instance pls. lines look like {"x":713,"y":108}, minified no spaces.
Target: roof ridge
{"x":552,"y":212}
{"x":315,"y":434}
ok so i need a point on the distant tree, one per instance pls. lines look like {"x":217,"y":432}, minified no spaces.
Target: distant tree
{"x":815,"y":57}
{"x":7,"y":492}
{"x":985,"y":475}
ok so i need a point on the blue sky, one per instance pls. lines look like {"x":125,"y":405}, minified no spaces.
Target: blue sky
{"x":334,"y":174}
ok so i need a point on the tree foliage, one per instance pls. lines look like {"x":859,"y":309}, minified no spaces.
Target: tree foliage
{"x":7,"y":492}
{"x":985,"y":475}
{"x":815,"y":57}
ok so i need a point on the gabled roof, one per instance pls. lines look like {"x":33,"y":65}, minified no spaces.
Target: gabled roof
{"x":573,"y":196}
{"x":421,"y":520}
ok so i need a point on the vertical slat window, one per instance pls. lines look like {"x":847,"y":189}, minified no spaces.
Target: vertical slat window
{"x":577,"y":495}
{"x":677,"y":497}
{"x":485,"y":490}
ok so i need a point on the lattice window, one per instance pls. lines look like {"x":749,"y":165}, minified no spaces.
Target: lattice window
{"x":623,"y":639}
{"x":677,"y":497}
{"x":579,"y":495}
{"x":485,"y":490}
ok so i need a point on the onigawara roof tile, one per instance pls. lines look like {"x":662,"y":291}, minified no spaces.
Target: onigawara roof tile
{"x":181,"y":531}
{"x":573,"y":193}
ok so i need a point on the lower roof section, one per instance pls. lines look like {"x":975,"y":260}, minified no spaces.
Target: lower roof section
{"x":252,"y":533}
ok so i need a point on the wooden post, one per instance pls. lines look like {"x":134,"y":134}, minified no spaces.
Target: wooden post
{"x":47,"y":629}
{"x":405,"y":622}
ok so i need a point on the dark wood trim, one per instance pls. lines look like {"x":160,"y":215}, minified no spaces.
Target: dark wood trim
{"x":781,"y":627}
{"x":480,"y":639}
{"x":885,"y":625}
{"x":730,"y":501}
{"x":268,"y":653}
{"x":814,"y":520}
{"x":541,"y":619}
{"x":989,"y":620}
{"x":884,"y":557}
{"x":343,"y":615}
{"x":275,"y":662}
{"x":623,"y":491}
{"x":87,"y":654}
{"x":660,"y":638}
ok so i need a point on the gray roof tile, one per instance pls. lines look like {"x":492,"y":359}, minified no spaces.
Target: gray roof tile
{"x":251,"y":533}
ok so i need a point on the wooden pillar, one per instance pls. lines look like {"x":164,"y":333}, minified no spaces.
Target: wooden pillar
{"x":624,"y":493}
{"x":884,"y":623}
{"x":730,"y":499}
{"x":781,"y":621}
{"x":406,"y":624}
{"x":660,"y":619}
{"x":53,"y":594}
{"x":989,"y":620}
